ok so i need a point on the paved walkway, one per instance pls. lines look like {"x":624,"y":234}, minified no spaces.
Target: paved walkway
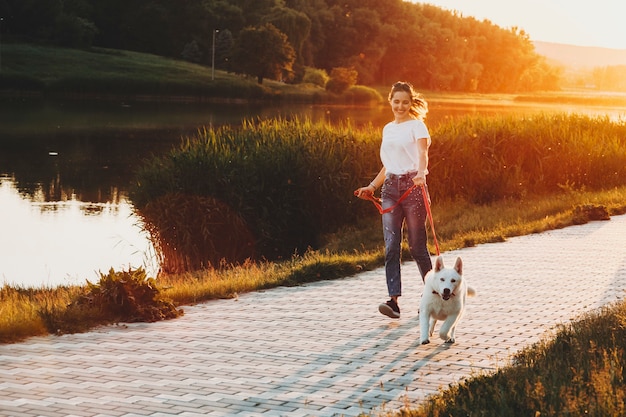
{"x":320,"y":349}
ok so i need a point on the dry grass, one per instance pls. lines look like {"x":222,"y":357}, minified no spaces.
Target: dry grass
{"x":578,"y":372}
{"x":19,"y":310}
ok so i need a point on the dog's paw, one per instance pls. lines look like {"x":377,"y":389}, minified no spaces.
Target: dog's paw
{"x":425,"y":342}
{"x":450,"y":341}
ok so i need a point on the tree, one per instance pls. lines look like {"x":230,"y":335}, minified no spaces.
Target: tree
{"x":263,"y":52}
{"x":384,"y":41}
{"x":191,"y":52}
{"x":74,"y":31}
{"x":611,"y":78}
{"x":296,"y":25}
{"x":223,"y":47}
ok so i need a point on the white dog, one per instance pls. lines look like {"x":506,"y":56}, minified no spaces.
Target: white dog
{"x":444,"y":297}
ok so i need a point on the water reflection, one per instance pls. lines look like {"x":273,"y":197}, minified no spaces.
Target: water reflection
{"x":50,"y":243}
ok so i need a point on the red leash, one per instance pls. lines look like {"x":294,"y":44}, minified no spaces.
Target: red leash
{"x":430,"y":218}
{"x":377,"y":202}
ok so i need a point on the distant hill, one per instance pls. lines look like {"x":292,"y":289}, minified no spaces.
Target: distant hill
{"x":581,"y":56}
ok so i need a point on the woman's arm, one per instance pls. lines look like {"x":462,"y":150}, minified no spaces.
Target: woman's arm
{"x":422,"y":170}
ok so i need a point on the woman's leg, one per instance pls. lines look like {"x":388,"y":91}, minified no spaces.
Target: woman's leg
{"x":416,"y":230}
{"x":392,"y":233}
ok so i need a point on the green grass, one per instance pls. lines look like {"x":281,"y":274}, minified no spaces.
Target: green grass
{"x":276,"y":184}
{"x":100,"y":73}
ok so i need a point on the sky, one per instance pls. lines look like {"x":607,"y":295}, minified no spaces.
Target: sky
{"x":574,"y":22}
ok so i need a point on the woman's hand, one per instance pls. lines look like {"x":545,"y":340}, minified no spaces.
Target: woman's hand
{"x":364,"y":192}
{"x":419,"y":179}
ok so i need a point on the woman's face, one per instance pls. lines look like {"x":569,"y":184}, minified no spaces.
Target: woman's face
{"x":400,"y":105}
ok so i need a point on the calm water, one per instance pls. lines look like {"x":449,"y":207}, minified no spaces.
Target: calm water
{"x":65,"y":170}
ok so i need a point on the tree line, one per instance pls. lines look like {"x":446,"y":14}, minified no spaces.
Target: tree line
{"x":381,"y":42}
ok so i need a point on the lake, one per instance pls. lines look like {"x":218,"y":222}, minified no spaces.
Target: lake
{"x":66,"y":168}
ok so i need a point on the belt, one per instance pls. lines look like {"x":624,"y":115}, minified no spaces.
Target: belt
{"x":408,"y":175}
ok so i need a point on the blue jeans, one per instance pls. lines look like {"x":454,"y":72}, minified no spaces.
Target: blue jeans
{"x":411,"y":213}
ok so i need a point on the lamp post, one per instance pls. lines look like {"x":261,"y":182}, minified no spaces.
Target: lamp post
{"x":1,"y":19}
{"x":213,"y":55}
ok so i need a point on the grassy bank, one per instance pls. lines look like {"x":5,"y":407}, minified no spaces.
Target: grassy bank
{"x":577,"y":97}
{"x":358,"y":248}
{"x":98,"y":73}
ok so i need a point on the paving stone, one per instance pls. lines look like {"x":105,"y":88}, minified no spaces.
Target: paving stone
{"x":321,"y":349}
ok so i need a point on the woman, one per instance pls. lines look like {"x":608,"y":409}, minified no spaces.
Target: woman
{"x":404,"y":155}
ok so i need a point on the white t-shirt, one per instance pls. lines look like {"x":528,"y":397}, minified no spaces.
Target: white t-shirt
{"x":399,"y":152}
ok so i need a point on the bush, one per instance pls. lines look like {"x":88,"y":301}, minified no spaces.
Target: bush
{"x":341,"y":79}
{"x":315,"y":76}
{"x":360,"y":94}
{"x":191,"y":52}
{"x":74,"y":31}
{"x":127,"y":296}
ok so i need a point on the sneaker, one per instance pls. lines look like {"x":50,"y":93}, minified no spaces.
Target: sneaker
{"x":390,"y":309}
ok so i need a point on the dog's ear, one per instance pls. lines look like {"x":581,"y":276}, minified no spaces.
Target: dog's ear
{"x":439,"y":264}
{"x":458,"y":266}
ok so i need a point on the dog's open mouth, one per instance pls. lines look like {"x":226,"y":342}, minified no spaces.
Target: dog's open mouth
{"x":446,"y":294}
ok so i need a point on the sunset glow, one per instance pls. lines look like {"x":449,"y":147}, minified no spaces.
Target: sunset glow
{"x":575,"y":22}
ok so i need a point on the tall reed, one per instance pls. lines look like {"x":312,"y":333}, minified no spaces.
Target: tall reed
{"x":202,"y":225}
{"x":484,"y":159}
{"x":280,"y":185}
{"x":286,"y":182}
